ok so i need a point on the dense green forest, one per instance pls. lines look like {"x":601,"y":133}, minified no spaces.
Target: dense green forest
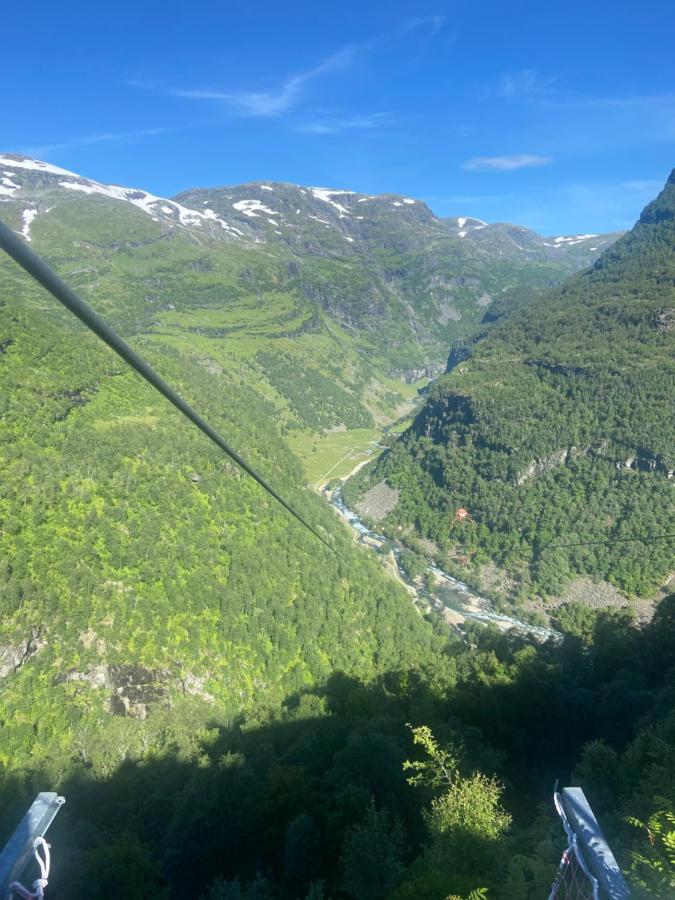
{"x":427,"y":781}
{"x":228,"y":718}
{"x":126,"y":532}
{"x":315,"y":398}
{"x":557,"y":433}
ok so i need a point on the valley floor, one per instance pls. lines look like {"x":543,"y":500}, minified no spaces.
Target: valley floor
{"x":333,"y":454}
{"x":336,"y":453}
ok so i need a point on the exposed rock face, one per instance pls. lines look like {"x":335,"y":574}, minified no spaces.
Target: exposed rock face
{"x":449,"y":313}
{"x":134,"y":690}
{"x":379,"y":501}
{"x":459,"y":353}
{"x":640,"y":461}
{"x":559,"y":458}
{"x":664,"y":319}
{"x":196,"y":687}
{"x":96,"y":677}
{"x":645,"y":461}
{"x":410,"y":376}
{"x":13,"y":656}
{"x":541,"y":466}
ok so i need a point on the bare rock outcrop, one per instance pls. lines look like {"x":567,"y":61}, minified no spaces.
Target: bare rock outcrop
{"x":13,"y":656}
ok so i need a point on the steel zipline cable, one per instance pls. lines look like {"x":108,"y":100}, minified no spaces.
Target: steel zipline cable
{"x":22,"y":254}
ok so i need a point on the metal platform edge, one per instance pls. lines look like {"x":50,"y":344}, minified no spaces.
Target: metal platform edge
{"x":19,"y":849}
{"x":593,"y":844}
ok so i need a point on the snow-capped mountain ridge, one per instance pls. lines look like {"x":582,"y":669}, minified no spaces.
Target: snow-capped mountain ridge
{"x":159,"y":208}
{"x":302,"y":218}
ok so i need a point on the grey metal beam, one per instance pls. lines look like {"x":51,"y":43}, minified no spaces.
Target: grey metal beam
{"x":19,"y":849}
{"x":593,"y":844}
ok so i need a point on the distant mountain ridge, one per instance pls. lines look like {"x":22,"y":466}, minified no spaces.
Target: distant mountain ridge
{"x":400,"y":282}
{"x":272,"y":209}
{"x":246,"y":203}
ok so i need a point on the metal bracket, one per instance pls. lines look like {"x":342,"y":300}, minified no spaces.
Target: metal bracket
{"x":593,"y":845}
{"x":19,"y":849}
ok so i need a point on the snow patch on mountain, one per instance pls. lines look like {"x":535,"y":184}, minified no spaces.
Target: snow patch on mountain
{"x":251,"y":208}
{"x":27,"y":217}
{"x":214,"y":217}
{"x":35,"y":164}
{"x":325,"y":194}
{"x":7,"y":186}
{"x":570,"y":241}
{"x":322,"y":221}
{"x":149,"y":203}
{"x":468,"y":223}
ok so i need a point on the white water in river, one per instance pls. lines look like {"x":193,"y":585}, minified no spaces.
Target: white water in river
{"x":453,"y":594}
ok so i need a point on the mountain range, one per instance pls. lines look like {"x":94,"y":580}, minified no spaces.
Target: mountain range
{"x":399,"y":283}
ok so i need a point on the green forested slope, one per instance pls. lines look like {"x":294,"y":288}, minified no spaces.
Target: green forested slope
{"x":136,"y":559}
{"x":559,"y":428}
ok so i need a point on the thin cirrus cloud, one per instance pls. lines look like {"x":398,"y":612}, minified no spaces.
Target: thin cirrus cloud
{"x":432,"y":24}
{"x":273,"y":103}
{"x":349,"y":123}
{"x":506,"y":163}
{"x":291,"y":91}
{"x":525,"y":84}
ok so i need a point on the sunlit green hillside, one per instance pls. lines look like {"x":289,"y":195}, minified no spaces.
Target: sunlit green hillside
{"x":557,"y":433}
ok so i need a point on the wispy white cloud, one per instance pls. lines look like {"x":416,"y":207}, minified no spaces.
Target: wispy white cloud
{"x":586,"y":119}
{"x":335,"y":125}
{"x":291,"y":91}
{"x":104,"y":137}
{"x":276,"y":102}
{"x":527,"y":83}
{"x":432,"y":24}
{"x":505,"y":163}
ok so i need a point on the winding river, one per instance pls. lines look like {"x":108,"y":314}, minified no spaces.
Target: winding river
{"x":452,"y":597}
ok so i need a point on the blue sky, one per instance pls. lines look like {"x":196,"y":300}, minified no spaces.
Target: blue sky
{"x":559,"y":115}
